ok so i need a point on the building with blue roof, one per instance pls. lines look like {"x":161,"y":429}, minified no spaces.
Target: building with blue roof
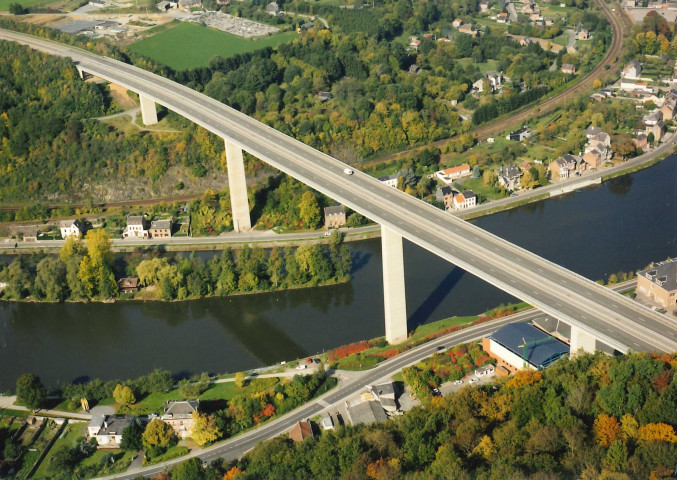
{"x":522,"y":345}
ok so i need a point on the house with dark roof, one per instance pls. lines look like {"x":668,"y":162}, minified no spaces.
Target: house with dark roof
{"x":519,"y":135}
{"x":659,"y":283}
{"x":160,"y":229}
{"x":179,"y":415}
{"x":390,"y":180}
{"x":385,"y":393}
{"x":136,"y":227}
{"x":107,"y":429}
{"x":521,"y":345}
{"x":509,"y":177}
{"x":445,"y":195}
{"x":334,"y":216}
{"x":632,"y":70}
{"x":128,"y":284}
{"x":71,"y":228}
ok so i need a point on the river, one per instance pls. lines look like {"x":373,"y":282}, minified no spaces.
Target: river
{"x":622,"y":224}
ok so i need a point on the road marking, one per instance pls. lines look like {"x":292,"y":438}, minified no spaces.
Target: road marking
{"x":323,"y":403}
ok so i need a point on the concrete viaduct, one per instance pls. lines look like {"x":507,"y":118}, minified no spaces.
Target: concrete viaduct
{"x":594,"y":312}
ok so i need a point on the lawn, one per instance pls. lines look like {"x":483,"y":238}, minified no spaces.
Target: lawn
{"x":477,"y":186}
{"x":189,"y":45}
{"x":489,"y":65}
{"x":74,"y":431}
{"x":4,"y":4}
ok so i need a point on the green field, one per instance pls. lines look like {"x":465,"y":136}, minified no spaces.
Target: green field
{"x":189,"y":45}
{"x":4,"y":4}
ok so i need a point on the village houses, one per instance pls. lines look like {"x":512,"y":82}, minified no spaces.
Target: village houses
{"x":334,"y":216}
{"x":464,"y":200}
{"x":659,"y":283}
{"x":509,"y":177}
{"x":389,"y":180}
{"x":136,"y":227}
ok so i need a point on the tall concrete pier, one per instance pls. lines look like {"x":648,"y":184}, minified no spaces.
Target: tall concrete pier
{"x":394,"y":300}
{"x":237,"y":183}
{"x":148,"y":110}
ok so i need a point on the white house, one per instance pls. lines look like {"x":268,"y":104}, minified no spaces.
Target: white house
{"x":107,"y":429}
{"x":450,"y":174}
{"x":632,"y":70}
{"x":466,"y":199}
{"x":71,"y":228}
{"x":389,"y":180}
{"x":136,"y":227}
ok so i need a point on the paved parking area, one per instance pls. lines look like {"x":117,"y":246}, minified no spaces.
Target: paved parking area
{"x":450,"y":387}
{"x":235,"y":25}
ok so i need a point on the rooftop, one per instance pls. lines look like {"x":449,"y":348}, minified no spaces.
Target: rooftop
{"x":335,"y":210}
{"x":135,"y":220}
{"x":663,"y":274}
{"x":541,"y":348}
{"x":301,"y":431}
{"x":161,"y":224}
{"x":367,"y":412}
{"x":181,"y":408}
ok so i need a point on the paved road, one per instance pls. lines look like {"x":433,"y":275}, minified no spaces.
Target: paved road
{"x":236,"y":447}
{"x":615,"y":320}
{"x":252,"y":237}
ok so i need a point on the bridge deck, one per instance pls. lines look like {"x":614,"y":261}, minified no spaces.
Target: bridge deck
{"x":612,"y":318}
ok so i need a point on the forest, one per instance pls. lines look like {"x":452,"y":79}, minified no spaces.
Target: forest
{"x":590,"y":417}
{"x":83,"y":274}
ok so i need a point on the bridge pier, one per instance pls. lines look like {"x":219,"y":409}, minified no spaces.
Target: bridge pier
{"x":580,"y":339}
{"x":237,"y":183}
{"x":394,"y":300}
{"x":148,"y":111}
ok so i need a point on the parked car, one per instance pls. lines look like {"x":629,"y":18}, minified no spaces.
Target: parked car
{"x":474,"y":380}
{"x":301,"y":367}
{"x":458,"y":382}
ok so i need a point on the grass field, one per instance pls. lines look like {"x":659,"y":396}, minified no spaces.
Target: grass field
{"x":189,"y":45}
{"x":4,"y":4}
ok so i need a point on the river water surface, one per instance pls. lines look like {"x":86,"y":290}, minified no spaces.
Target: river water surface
{"x":623,"y":224}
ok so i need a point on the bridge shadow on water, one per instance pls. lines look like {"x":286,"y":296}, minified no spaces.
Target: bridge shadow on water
{"x":436,"y":297}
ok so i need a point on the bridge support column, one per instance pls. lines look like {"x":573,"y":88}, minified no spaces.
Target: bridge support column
{"x":237,"y":183}
{"x":394,"y":300}
{"x":580,"y":339}
{"x":148,"y":112}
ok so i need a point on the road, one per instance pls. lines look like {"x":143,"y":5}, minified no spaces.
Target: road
{"x":236,"y":447}
{"x":267,"y":237}
{"x":615,"y":320}
{"x":584,"y":85}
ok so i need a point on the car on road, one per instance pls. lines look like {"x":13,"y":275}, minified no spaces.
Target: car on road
{"x":347,"y":171}
{"x":301,"y":367}
{"x":474,"y":380}
{"x":327,"y":234}
{"x":458,"y":382}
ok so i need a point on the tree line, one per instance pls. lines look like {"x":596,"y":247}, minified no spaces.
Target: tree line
{"x":589,"y":417}
{"x":247,"y":270}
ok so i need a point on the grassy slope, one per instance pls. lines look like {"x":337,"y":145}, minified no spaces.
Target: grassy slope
{"x":189,"y":45}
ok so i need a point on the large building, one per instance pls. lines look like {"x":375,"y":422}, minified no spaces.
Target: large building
{"x":521,"y":345}
{"x":179,"y":415}
{"x":659,"y":283}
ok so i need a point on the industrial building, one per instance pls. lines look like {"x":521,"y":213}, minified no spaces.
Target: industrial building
{"x":521,"y":345}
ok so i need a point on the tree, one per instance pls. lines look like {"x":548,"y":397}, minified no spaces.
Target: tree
{"x":205,"y":429}
{"x":18,"y":279}
{"x":147,"y":270}
{"x":123,"y":394}
{"x":71,"y":246}
{"x":50,"y":279}
{"x":657,"y":432}
{"x":489,"y":178}
{"x":607,"y":429}
{"x":239,"y":379}
{"x":17,"y":9}
{"x":131,"y":438}
{"x":158,"y":435}
{"x":309,"y":210}
{"x":189,"y":470}
{"x":30,"y":392}
{"x":99,"y":246}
